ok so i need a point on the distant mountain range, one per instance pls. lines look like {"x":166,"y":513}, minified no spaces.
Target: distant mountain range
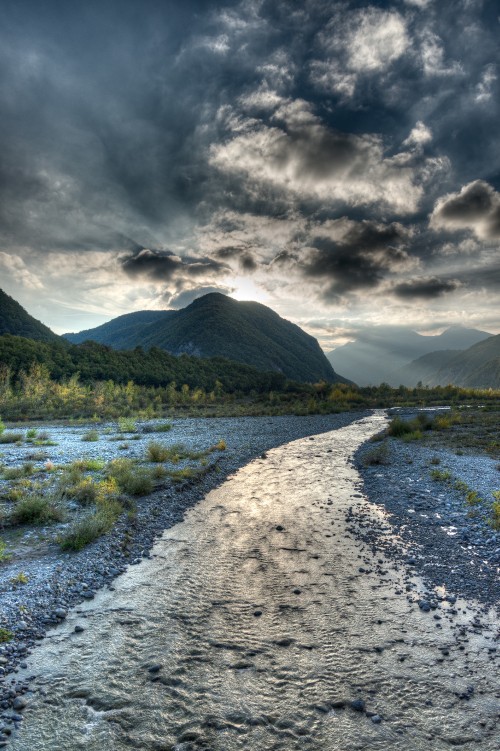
{"x":382,"y":354}
{"x":476,"y":367}
{"x":15,"y":320}
{"x":216,"y":325}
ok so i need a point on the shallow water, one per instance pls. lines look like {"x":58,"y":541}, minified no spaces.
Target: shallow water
{"x":257,"y":613}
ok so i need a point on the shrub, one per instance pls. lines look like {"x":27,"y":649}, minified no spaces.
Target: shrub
{"x":130,"y":478}
{"x":88,"y":465}
{"x":495,"y":511}
{"x":220,"y":446}
{"x":398,"y":427}
{"x":2,"y":426}
{"x":414,"y":435}
{"x":4,"y":556}
{"x":473,"y":498}
{"x":11,"y":437}
{"x":15,"y":473}
{"x":5,"y":635}
{"x":377,"y":455}
{"x":89,"y":491}
{"x":157,"y":452}
{"x":90,"y":435}
{"x":90,"y":528}
{"x":127,"y":425}
{"x":435,"y":460}
{"x":162,"y":427}
{"x":20,"y":578}
{"x":439,"y":475}
{"x":35,"y":509}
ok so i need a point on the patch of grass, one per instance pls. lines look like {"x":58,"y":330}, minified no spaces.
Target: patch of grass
{"x":162,"y":427}
{"x":219,"y":446}
{"x":34,"y":508}
{"x":414,"y":435}
{"x":5,"y":635}
{"x":11,"y":437}
{"x":20,"y":578}
{"x":472,"y":498}
{"x":378,"y":455}
{"x":38,"y":456}
{"x":495,"y":511}
{"x":88,"y":465}
{"x":435,"y":460}
{"x":130,"y":478}
{"x":181,"y":475}
{"x":90,"y":435}
{"x":91,"y":527}
{"x":31,"y":434}
{"x":157,"y":452}
{"x":4,"y":556}
{"x":440,"y":475}
{"x":15,"y":473}
{"x":461,"y":486}
{"x":2,"y":426}
{"x":127,"y":425}
{"x":92,"y":492}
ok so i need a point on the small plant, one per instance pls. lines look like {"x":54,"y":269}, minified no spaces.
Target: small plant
{"x":414,"y":435}
{"x":127,"y":425}
{"x":472,"y":498}
{"x":439,"y":475}
{"x":20,"y":578}
{"x":181,"y":475}
{"x":157,"y":452}
{"x":11,"y":437}
{"x":5,"y":635}
{"x":31,"y":434}
{"x":88,"y":465}
{"x":495,"y":511}
{"x":4,"y":556}
{"x":162,"y":427}
{"x":35,"y":509}
{"x":130,"y":478}
{"x":2,"y":426}
{"x":377,"y":455}
{"x":219,"y":446}
{"x":435,"y":460}
{"x":90,"y":435}
{"x":15,"y":473}
{"x":461,"y":486}
{"x":90,"y":528}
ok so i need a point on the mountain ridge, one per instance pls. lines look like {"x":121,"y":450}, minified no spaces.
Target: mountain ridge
{"x":216,"y":325}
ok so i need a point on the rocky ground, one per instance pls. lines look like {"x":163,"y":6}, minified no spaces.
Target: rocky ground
{"x":423,"y":489}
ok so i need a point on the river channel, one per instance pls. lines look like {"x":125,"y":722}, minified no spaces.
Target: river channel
{"x":256,"y":623}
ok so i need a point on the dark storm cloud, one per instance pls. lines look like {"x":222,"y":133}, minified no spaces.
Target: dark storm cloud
{"x":425,"y":289}
{"x":359,"y":258}
{"x":476,"y":207}
{"x":163,"y":265}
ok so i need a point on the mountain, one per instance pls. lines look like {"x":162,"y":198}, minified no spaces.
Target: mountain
{"x":476,"y":367}
{"x":218,"y":326}
{"x":15,"y":320}
{"x":424,"y":369}
{"x":380,"y":352}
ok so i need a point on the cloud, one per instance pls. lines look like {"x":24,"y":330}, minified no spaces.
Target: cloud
{"x":163,"y":265}
{"x":351,"y":256}
{"x":187,"y":296}
{"x":306,"y":160}
{"x":16,"y":268}
{"x":419,"y":135}
{"x":425,"y":288}
{"x":476,"y":208}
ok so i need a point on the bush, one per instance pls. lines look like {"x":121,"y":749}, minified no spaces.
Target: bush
{"x":11,"y":437}
{"x":157,"y":452}
{"x":4,"y":556}
{"x":495,"y":511}
{"x":90,"y":435}
{"x":2,"y":426}
{"x":89,"y":491}
{"x":439,"y":475}
{"x":127,"y":425}
{"x":5,"y":635}
{"x":130,"y":478}
{"x":35,"y":509}
{"x":377,"y":455}
{"x":15,"y":473}
{"x":90,"y":528}
{"x":414,"y":435}
{"x":473,"y":498}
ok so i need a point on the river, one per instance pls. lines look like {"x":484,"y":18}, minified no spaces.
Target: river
{"x":252,"y":624}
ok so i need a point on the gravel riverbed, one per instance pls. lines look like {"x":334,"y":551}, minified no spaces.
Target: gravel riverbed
{"x":430,"y":531}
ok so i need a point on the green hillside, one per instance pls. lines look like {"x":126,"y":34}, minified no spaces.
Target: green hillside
{"x":218,"y":326}
{"x":15,"y":320}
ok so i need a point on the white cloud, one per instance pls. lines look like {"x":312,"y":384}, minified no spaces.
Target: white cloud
{"x":484,"y":89}
{"x":16,"y":268}
{"x":304,"y":158}
{"x":419,"y":135}
{"x":476,"y":207}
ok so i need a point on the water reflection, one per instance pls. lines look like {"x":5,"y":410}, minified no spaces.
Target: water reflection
{"x":258,"y":616}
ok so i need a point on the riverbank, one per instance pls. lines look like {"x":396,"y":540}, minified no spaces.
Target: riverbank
{"x":438,"y":499}
{"x":57,"y":581}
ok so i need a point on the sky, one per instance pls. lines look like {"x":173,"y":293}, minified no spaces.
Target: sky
{"x":337,"y":161}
